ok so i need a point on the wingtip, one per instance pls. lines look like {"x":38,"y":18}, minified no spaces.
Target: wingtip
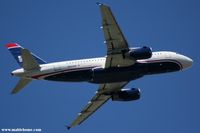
{"x":13,"y":92}
{"x":99,"y":4}
{"x":68,"y":127}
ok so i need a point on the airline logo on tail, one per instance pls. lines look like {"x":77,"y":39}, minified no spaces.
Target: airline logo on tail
{"x":27,"y":60}
{"x":16,"y":51}
{"x":20,"y":58}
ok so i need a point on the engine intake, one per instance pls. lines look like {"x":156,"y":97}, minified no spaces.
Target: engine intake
{"x":126,"y":95}
{"x":140,"y":53}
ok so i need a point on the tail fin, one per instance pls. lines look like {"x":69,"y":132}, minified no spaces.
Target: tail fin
{"x":16,"y":51}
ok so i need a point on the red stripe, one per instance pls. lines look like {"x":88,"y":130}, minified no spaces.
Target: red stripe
{"x":162,"y":60}
{"x":58,"y":72}
{"x":10,"y":45}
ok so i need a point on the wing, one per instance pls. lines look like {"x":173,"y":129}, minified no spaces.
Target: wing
{"x":97,"y":101}
{"x":117,"y":45}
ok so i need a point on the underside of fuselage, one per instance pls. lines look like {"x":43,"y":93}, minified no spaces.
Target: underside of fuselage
{"x":116,"y":74}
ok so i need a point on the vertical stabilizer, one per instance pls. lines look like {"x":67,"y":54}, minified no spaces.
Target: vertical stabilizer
{"x":27,"y":60}
{"x":16,"y":51}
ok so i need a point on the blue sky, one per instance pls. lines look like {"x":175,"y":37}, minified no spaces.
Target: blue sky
{"x":63,"y":30}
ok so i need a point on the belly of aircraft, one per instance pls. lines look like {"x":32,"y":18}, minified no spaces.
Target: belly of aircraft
{"x":115,"y":74}
{"x":100,"y":75}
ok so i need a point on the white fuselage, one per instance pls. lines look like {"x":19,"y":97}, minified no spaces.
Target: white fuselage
{"x":55,"y":68}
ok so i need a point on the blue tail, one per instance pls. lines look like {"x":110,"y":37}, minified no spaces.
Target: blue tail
{"x":15,"y":50}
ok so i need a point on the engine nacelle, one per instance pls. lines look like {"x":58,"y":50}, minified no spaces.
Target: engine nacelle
{"x":126,"y":95}
{"x":140,"y":53}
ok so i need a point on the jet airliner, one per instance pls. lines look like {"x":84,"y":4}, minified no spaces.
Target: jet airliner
{"x":113,"y":72}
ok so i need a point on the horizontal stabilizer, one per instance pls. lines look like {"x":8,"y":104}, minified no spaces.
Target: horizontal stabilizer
{"x":20,"y":85}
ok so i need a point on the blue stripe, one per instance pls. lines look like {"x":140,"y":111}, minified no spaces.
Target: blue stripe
{"x":16,"y":52}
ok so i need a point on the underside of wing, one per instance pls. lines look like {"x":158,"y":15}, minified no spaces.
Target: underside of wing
{"x":101,"y":97}
{"x":117,"y":45}
{"x":113,"y":35}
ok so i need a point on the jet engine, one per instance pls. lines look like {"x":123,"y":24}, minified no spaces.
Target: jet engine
{"x":126,"y":95}
{"x":140,"y":53}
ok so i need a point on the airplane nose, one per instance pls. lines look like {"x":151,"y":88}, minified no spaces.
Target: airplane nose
{"x":186,"y":62}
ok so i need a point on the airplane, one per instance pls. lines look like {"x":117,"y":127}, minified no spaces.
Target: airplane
{"x":113,"y":72}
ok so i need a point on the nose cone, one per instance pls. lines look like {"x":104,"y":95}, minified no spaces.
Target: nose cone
{"x":186,"y":61}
